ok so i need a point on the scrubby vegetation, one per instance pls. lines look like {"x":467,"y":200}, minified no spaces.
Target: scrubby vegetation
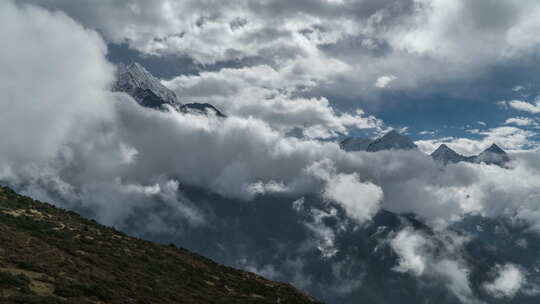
{"x":50,"y":255}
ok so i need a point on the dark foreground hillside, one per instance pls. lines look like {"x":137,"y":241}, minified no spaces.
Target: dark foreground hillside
{"x":49,"y":255}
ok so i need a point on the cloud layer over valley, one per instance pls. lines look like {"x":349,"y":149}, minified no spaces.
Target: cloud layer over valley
{"x":68,"y":139}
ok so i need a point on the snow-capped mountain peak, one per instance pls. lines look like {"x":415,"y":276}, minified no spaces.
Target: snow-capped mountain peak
{"x":493,"y":155}
{"x":146,"y":89}
{"x":495,"y":149}
{"x":392,"y":140}
{"x":446,"y":155}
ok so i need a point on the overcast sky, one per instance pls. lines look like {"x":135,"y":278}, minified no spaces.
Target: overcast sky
{"x":459,"y":72}
{"x":440,"y":68}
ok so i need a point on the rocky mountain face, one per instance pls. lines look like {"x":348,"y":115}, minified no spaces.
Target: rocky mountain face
{"x":355,"y":144}
{"x":50,"y":255}
{"x":148,"y":91}
{"x":493,"y":155}
{"x":446,"y":155}
{"x":201,"y":108}
{"x":392,"y":140}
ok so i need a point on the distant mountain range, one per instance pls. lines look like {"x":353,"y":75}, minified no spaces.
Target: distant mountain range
{"x":393,"y":140}
{"x":148,"y":91}
{"x":492,"y":155}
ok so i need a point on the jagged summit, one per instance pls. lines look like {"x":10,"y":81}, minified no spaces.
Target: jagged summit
{"x":492,"y":155}
{"x":444,"y":147}
{"x":495,"y":149}
{"x":146,"y":89}
{"x":443,"y":150}
{"x":392,"y":140}
{"x":446,"y":155}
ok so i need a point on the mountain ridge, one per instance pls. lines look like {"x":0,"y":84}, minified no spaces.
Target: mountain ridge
{"x":446,"y":155}
{"x":134,"y":80}
{"x":50,"y":255}
{"x":493,"y":155}
{"x":393,"y":140}
{"x":146,"y":89}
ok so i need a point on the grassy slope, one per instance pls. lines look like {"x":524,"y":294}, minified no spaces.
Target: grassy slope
{"x":50,"y":255}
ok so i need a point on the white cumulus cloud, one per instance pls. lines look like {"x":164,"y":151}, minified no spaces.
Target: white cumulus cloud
{"x":508,"y":281}
{"x":384,"y":81}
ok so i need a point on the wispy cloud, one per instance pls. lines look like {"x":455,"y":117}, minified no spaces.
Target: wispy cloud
{"x":524,"y":106}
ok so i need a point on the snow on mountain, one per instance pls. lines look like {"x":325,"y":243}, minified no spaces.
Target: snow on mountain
{"x":493,"y":155}
{"x":446,"y":155}
{"x":146,"y":89}
{"x":392,"y":140}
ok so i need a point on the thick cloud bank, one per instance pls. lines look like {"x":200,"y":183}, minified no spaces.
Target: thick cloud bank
{"x":54,"y":82}
{"x":74,"y":139}
{"x":68,"y":139}
{"x":361,"y":47}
